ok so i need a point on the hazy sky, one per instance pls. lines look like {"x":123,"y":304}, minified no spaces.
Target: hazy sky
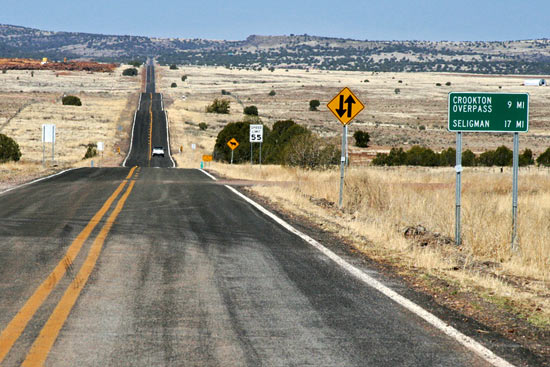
{"x":235,"y":20}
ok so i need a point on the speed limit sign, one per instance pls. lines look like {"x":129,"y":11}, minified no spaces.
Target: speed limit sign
{"x":256,"y":133}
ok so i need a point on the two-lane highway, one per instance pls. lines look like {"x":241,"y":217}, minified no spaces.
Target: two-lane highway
{"x":137,"y":266}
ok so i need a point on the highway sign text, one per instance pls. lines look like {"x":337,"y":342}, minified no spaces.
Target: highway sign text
{"x":489,"y":112}
{"x":256,"y":133}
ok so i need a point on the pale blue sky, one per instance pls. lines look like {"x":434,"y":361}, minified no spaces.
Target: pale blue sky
{"x":235,"y":20}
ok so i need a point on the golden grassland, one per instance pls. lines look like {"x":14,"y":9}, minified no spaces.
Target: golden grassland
{"x":108,"y":104}
{"x":381,"y":202}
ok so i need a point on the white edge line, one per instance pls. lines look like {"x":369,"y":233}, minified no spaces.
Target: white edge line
{"x":167,"y":132}
{"x":37,"y":180}
{"x":131,"y":139}
{"x":433,"y":320}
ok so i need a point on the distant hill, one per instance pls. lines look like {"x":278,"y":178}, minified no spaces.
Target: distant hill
{"x":292,"y":51}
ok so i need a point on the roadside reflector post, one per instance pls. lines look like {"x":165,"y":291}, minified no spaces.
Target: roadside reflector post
{"x":458,"y":186}
{"x":515,"y":193}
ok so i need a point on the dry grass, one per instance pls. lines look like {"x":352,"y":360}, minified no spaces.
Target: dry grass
{"x":108,"y":104}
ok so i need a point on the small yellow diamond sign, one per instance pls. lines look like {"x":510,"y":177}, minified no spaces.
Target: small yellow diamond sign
{"x":233,"y":143}
{"x":345,"y":106}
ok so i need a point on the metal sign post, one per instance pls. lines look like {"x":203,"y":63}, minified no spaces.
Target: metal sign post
{"x":515,"y":193}
{"x":342,"y":167}
{"x":100,"y":147}
{"x":458,"y":186}
{"x":48,"y":136}
{"x":488,"y":112}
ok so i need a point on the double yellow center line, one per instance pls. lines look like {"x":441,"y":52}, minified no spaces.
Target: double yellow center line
{"x":42,"y":345}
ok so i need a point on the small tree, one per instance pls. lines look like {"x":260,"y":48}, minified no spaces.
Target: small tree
{"x":468,"y":158}
{"x":173,"y":85}
{"x":219,"y":106}
{"x":91,"y":151}
{"x":272,"y":93}
{"x":544,"y":158}
{"x":362,"y":138}
{"x":397,"y":90}
{"x":184,"y":78}
{"x":130,"y":72}
{"x":9,"y":149}
{"x":313,"y":104}
{"x":526,"y":158}
{"x":251,"y":111}
{"x":135,"y":63}
{"x":203,"y":126}
{"x":173,"y":67}
{"x":71,"y":101}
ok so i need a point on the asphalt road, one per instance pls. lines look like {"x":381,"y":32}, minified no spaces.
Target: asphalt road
{"x":164,"y":267}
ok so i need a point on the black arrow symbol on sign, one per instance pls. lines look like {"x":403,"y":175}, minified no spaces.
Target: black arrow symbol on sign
{"x":232,"y":143}
{"x":340,"y":110}
{"x":349,"y":101}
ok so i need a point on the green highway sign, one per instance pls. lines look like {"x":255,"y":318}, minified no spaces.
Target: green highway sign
{"x":489,"y":112}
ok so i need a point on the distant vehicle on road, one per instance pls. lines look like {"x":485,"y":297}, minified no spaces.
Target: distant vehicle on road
{"x":158,"y":151}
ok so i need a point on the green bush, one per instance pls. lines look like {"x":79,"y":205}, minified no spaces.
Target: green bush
{"x":130,"y":72}
{"x":251,"y":111}
{"x":279,"y":138}
{"x":362,"y":139}
{"x":9,"y":149}
{"x":272,"y":93}
{"x":184,"y":78}
{"x":203,"y":126}
{"x":526,"y":158}
{"x":468,"y":158}
{"x":91,"y":151}
{"x":71,"y":101}
{"x":173,"y":85}
{"x":135,"y":63}
{"x":397,"y":90}
{"x":173,"y":67}
{"x":447,"y":157}
{"x":313,"y":104}
{"x":219,"y":106}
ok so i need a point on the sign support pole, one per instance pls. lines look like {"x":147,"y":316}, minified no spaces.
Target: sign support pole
{"x":43,"y":154}
{"x":251,"y":145}
{"x":231,"y":156}
{"x":458,"y":186}
{"x":347,"y":149}
{"x":515,"y":193}
{"x":53,"y":151}
{"x":260,"y":154}
{"x":342,"y":166}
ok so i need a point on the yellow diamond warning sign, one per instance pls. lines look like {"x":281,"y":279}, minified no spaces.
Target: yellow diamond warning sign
{"x":233,"y":143}
{"x":345,"y":106}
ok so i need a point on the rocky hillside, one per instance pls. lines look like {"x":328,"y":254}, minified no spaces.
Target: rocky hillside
{"x":292,"y":51}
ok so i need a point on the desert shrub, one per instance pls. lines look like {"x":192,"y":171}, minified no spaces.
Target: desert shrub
{"x":544,"y":158}
{"x":421,"y":156}
{"x":447,"y":157}
{"x":91,"y":151}
{"x":526,"y":158}
{"x":130,"y":72}
{"x":313,"y":104}
{"x":422,"y":127}
{"x":438,"y":84}
{"x":397,"y":90}
{"x":272,"y":93}
{"x":468,"y":158}
{"x":251,"y":111}
{"x":203,"y":126}
{"x":173,"y":85}
{"x":362,"y":138}
{"x":135,"y":63}
{"x":173,"y":67}
{"x":280,"y":136}
{"x":448,"y":84}
{"x":225,"y":92}
{"x":219,"y":106}
{"x":9,"y":149}
{"x":309,"y":151}
{"x":71,"y":101}
{"x":4,"y":71}
{"x":184,"y":78}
